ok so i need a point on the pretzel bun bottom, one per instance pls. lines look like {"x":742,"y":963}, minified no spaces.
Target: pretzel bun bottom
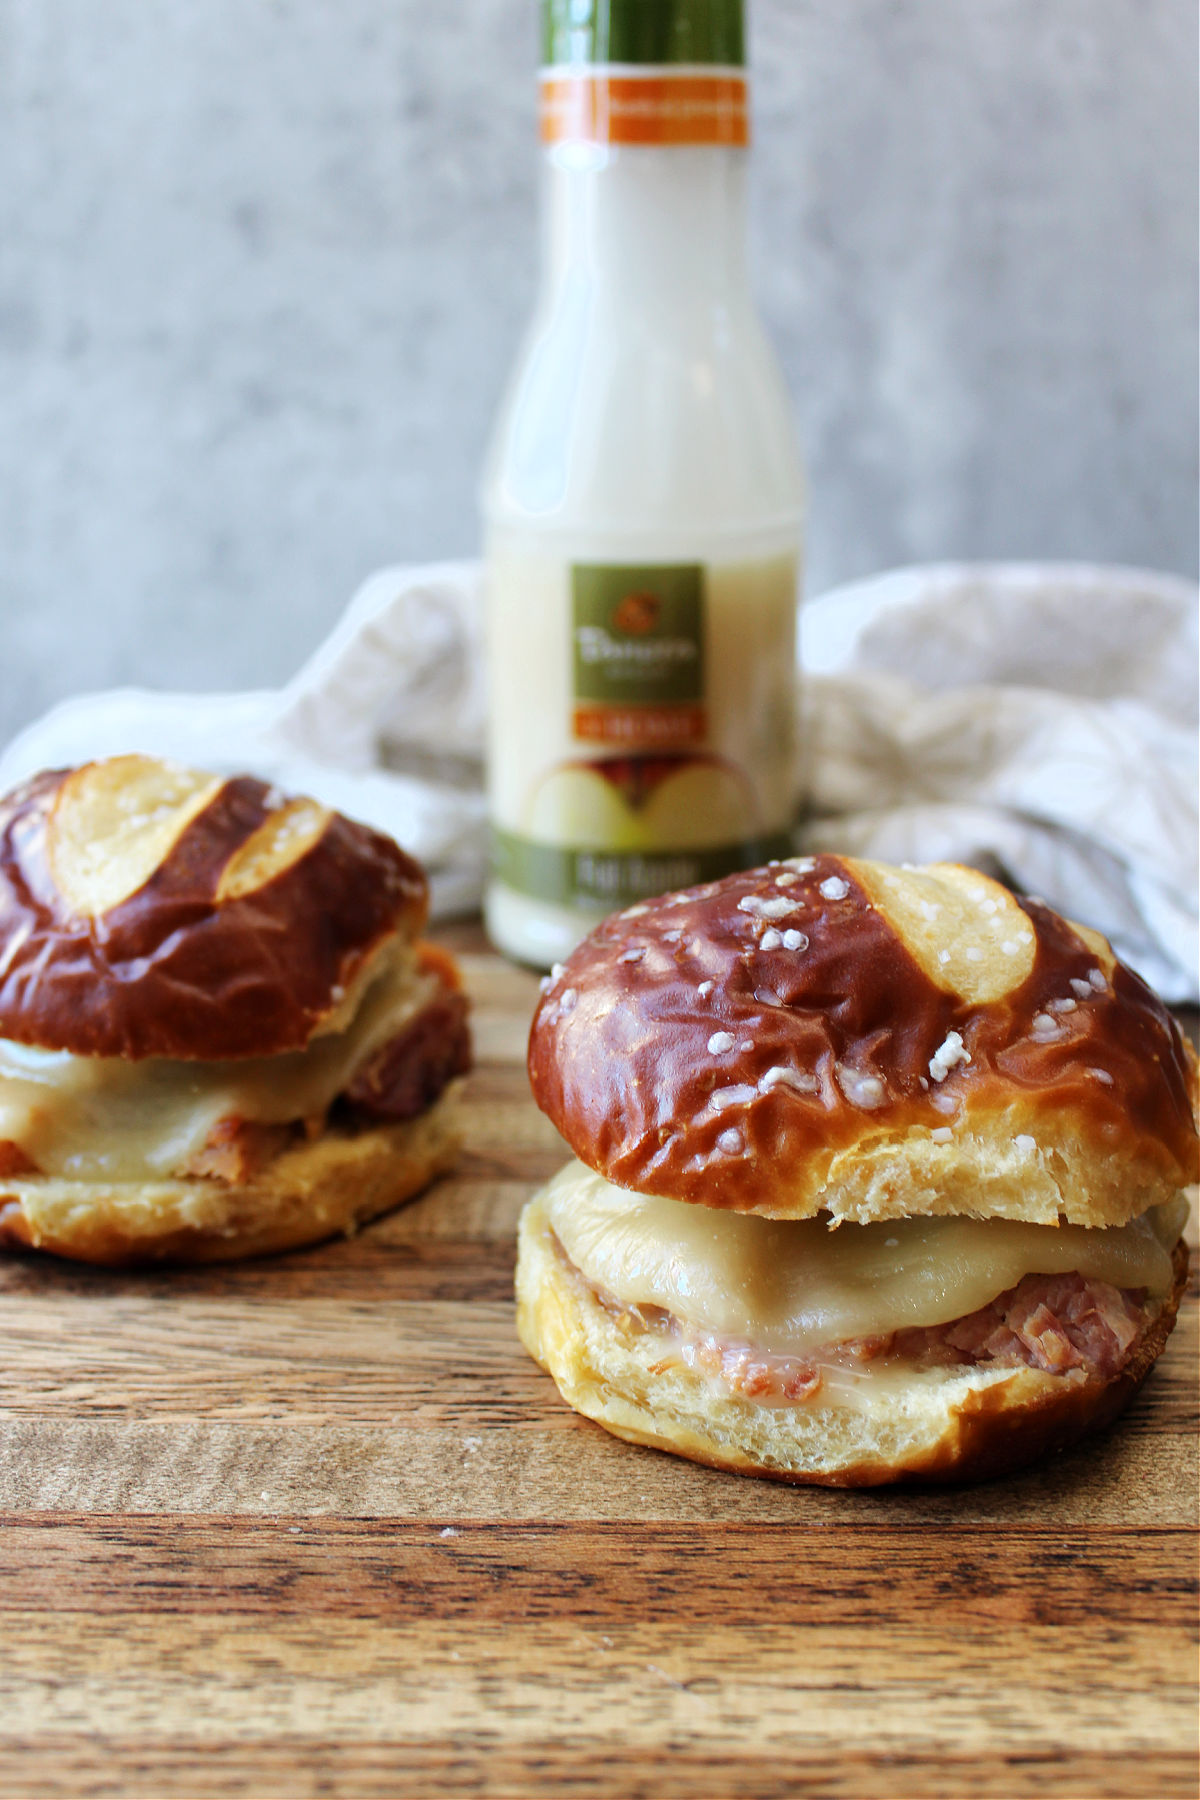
{"x":961,"y":1423}
{"x":310,"y":1192}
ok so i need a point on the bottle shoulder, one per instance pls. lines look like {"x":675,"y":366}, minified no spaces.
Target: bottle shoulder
{"x":632,"y":420}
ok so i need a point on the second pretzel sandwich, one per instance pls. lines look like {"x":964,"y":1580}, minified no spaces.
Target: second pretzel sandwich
{"x":220,"y":1033}
{"x":879,"y":1175}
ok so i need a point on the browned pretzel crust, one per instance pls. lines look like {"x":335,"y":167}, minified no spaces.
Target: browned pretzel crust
{"x":788,"y":1041}
{"x":190,"y":963}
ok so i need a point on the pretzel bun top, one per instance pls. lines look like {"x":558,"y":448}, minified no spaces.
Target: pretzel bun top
{"x":152,"y":910}
{"x":826,"y":1035}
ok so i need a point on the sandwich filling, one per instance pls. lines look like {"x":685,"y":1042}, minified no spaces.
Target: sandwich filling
{"x":394,"y":1041}
{"x":779,"y":1310}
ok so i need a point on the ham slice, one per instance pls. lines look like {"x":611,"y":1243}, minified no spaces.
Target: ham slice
{"x":1052,"y":1322}
{"x":13,"y":1160}
{"x":236,"y":1149}
{"x":404,"y":1077}
{"x":409,"y":1072}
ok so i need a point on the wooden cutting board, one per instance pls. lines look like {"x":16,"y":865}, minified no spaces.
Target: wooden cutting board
{"x":316,"y":1525}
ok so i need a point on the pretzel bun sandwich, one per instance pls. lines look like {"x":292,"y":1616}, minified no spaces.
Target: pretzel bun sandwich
{"x":219,"y":1032}
{"x":879,"y":1175}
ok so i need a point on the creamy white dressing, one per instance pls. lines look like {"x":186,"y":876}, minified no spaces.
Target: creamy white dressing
{"x":789,"y":1285}
{"x":93,"y":1117}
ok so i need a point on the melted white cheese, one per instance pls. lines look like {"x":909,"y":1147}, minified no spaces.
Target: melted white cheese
{"x":98,"y":1117}
{"x":788,"y":1285}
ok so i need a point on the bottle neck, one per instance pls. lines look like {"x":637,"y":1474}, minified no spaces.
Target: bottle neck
{"x":650,"y":223}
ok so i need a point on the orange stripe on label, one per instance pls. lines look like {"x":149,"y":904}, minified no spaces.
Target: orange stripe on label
{"x":644,"y":109}
{"x":640,"y":727}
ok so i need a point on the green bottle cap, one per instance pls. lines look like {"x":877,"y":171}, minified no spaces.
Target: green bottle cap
{"x":582,"y":33}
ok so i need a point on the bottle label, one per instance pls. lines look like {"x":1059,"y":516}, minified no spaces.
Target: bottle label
{"x":652,"y":106}
{"x":611,"y":878}
{"x":642,"y":723}
{"x":638,"y":654}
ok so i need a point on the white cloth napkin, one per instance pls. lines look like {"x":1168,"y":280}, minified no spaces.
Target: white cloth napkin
{"x":1038,"y":720}
{"x":384,"y":722}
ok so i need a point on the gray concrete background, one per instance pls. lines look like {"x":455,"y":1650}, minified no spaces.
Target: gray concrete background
{"x":263,"y":265}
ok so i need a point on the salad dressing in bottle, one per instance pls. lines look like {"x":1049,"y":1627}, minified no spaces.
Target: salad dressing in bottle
{"x":642,"y":498}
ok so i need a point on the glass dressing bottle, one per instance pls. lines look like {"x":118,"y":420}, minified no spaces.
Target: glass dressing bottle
{"x":642,"y":497}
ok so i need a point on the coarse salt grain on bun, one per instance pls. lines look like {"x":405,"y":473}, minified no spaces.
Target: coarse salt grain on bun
{"x":997,"y":1117}
{"x":219,"y":1033}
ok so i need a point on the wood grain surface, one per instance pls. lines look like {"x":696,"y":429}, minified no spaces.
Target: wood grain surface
{"x":316,"y":1525}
